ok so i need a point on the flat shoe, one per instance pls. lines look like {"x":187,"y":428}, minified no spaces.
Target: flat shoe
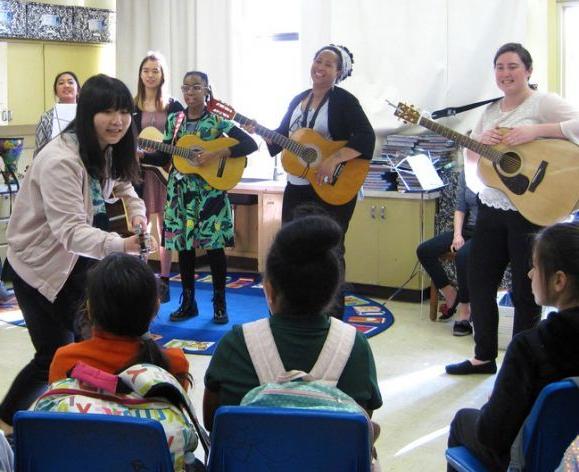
{"x":447,"y":312}
{"x":466,"y":368}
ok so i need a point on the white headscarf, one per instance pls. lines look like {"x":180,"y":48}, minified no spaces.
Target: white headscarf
{"x":346,"y":60}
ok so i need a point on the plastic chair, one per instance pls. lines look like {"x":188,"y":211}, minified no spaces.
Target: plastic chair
{"x":550,"y":427}
{"x":263,"y":439}
{"x":73,"y":441}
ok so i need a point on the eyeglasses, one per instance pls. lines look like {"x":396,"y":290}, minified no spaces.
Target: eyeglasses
{"x":192,"y":88}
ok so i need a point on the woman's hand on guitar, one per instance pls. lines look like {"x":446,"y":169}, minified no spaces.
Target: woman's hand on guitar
{"x":326,"y":170}
{"x":520,"y":135}
{"x":204,"y":157}
{"x":491,"y":137}
{"x":249,"y":126}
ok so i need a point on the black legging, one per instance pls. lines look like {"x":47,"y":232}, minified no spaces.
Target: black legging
{"x":500,"y":237}
{"x":429,"y":253}
{"x":217,"y":263}
{"x":50,"y":326}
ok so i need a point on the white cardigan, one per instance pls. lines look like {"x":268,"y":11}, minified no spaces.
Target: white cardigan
{"x":51,"y":222}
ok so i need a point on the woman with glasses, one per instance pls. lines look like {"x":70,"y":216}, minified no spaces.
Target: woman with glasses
{"x":198,"y":215}
{"x":152,"y":108}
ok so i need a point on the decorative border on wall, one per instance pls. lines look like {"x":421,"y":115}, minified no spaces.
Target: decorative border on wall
{"x":12,"y":19}
{"x":92,"y":25}
{"x":40,"y":21}
{"x":52,"y":22}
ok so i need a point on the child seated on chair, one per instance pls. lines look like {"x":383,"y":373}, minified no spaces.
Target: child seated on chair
{"x":534,"y":358}
{"x":122,"y":299}
{"x":302,"y":276}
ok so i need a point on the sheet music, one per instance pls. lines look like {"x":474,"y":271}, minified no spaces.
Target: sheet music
{"x":63,"y":114}
{"x":425,"y":172}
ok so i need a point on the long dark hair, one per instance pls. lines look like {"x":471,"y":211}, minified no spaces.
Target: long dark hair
{"x":557,"y":248}
{"x":101,"y":93}
{"x":160,"y":97}
{"x":303,"y":265}
{"x":122,"y":300}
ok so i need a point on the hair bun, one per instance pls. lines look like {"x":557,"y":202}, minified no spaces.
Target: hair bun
{"x":309,"y":238}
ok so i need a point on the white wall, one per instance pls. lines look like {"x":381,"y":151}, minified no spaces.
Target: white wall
{"x":431,"y":53}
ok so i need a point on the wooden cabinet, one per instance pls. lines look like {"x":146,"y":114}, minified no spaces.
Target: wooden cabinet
{"x":24,"y":72}
{"x":85,"y":60}
{"x":28,"y":69}
{"x":382,"y":239}
{"x":258,"y":220}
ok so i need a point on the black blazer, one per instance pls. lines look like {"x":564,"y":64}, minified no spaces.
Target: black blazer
{"x":346,"y":122}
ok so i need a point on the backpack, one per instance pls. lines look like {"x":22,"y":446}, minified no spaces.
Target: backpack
{"x":297,"y":389}
{"x":142,"y":391}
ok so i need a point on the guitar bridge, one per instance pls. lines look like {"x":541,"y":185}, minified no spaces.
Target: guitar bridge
{"x":539,"y":176}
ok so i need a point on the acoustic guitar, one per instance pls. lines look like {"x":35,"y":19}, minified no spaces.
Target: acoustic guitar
{"x":539,"y":178}
{"x":303,"y":152}
{"x":222,"y":174}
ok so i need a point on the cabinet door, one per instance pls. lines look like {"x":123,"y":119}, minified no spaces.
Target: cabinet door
{"x":362,"y":244}
{"x":403,"y":225}
{"x":84,"y":60}
{"x":25,"y":65}
{"x":3,"y":84}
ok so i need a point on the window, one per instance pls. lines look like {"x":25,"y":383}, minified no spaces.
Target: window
{"x":570,"y":51}
{"x":267,"y":71}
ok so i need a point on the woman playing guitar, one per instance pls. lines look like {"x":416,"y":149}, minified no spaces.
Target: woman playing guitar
{"x":337,"y":115}
{"x":198,"y":215}
{"x":152,"y":107}
{"x":502,"y":235}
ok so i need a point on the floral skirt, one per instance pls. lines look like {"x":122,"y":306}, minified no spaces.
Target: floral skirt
{"x":196,"y":215}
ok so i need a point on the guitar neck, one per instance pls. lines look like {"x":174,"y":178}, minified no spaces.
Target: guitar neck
{"x":168,"y":148}
{"x":273,"y":136}
{"x":481,"y":149}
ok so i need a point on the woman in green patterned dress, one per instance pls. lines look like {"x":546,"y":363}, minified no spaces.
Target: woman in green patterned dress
{"x":198,"y":215}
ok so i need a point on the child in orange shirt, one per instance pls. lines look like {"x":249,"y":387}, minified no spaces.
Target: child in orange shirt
{"x":122,"y":299}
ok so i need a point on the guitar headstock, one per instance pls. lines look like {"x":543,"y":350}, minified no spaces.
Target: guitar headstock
{"x":219,"y":108}
{"x":407,"y":113}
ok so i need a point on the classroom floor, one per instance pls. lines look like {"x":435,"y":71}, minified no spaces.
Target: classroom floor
{"x":419,"y":398}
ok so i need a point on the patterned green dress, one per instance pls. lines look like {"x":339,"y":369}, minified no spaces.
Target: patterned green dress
{"x":196,"y":214}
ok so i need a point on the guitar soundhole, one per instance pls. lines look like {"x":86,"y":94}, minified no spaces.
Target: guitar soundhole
{"x":309,"y":156}
{"x":510,"y":163}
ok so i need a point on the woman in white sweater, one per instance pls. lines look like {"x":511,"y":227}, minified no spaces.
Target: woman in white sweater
{"x":59,"y":227}
{"x":502,"y":234}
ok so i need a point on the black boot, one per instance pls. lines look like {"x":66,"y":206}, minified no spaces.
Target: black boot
{"x":188,"y":308}
{"x":219,"y":307}
{"x":164,"y":292}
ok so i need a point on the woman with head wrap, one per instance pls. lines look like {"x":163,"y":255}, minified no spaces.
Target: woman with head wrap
{"x":337,"y":115}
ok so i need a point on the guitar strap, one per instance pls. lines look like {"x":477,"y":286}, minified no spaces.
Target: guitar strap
{"x":178,"y":121}
{"x":451,"y":111}
{"x":315,"y":115}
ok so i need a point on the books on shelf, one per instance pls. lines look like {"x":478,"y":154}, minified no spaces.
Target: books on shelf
{"x":395,"y":171}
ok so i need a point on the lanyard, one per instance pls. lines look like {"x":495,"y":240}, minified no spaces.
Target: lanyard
{"x":315,"y":115}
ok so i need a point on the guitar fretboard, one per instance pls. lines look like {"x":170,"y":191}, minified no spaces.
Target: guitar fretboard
{"x":481,"y":149}
{"x":279,"y":139}
{"x":187,"y":153}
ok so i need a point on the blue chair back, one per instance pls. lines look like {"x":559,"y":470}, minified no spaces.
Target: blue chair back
{"x":72,"y":442}
{"x":551,"y":426}
{"x":548,"y":430}
{"x":263,"y":439}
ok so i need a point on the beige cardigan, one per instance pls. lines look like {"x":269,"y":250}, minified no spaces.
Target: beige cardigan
{"x":50,"y":226}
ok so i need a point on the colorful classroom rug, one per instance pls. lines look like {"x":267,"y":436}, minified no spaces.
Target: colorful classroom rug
{"x":245,"y":302}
